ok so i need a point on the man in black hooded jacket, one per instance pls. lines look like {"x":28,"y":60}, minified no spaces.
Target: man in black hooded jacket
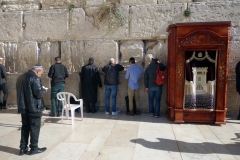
{"x":30,"y":104}
{"x":237,"y":71}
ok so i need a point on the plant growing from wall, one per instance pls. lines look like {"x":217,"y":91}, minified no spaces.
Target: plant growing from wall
{"x":112,"y":12}
{"x":4,"y":3}
{"x":70,"y":7}
{"x":187,"y":12}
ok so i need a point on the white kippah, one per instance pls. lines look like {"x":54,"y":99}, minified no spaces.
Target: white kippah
{"x":37,"y":67}
{"x":111,"y":60}
{"x":1,"y":58}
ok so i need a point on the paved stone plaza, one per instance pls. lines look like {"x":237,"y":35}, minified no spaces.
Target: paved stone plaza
{"x":122,"y":137}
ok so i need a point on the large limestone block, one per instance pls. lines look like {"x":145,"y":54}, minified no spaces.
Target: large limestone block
{"x":27,"y":56}
{"x":94,"y":2}
{"x":21,"y":5}
{"x":101,"y":51}
{"x":174,"y":1}
{"x":46,"y":25}
{"x":77,"y":50}
{"x":137,"y":2}
{"x":232,"y":99}
{"x":217,"y":11}
{"x":85,"y":27}
{"x":48,"y":51}
{"x":158,"y":49}
{"x":151,"y":21}
{"x":133,"y":49}
{"x":66,"y":55}
{"x":11,"y":83}
{"x":11,"y":26}
{"x":10,"y":53}
{"x":234,"y":58}
{"x":61,"y":4}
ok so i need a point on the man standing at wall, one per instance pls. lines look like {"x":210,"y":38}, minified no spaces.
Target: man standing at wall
{"x":90,"y":81}
{"x":30,"y":104}
{"x":133,"y":75}
{"x":3,"y":85}
{"x":237,"y":71}
{"x":154,"y":90}
{"x":111,"y":84}
{"x":58,"y":72}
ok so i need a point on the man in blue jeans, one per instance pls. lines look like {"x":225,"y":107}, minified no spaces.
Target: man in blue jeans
{"x":111,"y":84}
{"x":154,"y":90}
{"x":58,"y":72}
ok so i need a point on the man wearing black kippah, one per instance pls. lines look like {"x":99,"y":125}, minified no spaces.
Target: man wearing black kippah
{"x":30,"y":104}
{"x":58,"y":72}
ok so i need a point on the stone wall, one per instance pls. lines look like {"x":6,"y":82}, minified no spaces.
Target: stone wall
{"x":35,"y":31}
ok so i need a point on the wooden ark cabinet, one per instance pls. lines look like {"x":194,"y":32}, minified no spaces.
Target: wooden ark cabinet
{"x":191,"y":46}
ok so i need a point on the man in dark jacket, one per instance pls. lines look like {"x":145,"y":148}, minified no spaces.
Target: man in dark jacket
{"x":90,"y":81}
{"x":237,"y":71}
{"x":30,"y":104}
{"x":154,"y":90}
{"x":3,"y":85}
{"x":111,"y":84}
{"x":58,"y":72}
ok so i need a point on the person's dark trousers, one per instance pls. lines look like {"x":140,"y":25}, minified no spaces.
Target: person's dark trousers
{"x":3,"y":87}
{"x":54,"y":90}
{"x":238,"y":118}
{"x":30,"y":126}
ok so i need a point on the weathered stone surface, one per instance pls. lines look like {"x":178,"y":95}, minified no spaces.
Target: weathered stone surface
{"x":21,"y":7}
{"x":49,"y":50}
{"x":233,"y":99}
{"x":133,"y":49}
{"x":94,"y":2}
{"x":61,"y":4}
{"x":11,"y":58}
{"x":217,"y":11}
{"x":101,"y":51}
{"x":11,"y":26}
{"x":158,"y":49}
{"x":66,"y":55}
{"x":46,"y":25}
{"x":27,"y":56}
{"x":86,"y":27}
{"x":151,"y":21}
{"x":2,"y":51}
{"x":77,"y":50}
{"x":137,"y":2}
{"x":11,"y":83}
{"x":234,"y":58}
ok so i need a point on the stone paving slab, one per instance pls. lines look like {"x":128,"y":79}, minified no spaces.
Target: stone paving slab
{"x":106,"y":137}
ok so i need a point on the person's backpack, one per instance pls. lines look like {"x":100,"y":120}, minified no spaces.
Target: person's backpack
{"x":160,"y":77}
{"x":111,"y":75}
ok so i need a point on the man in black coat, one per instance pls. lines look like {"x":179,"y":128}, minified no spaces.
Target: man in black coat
{"x":90,"y":81}
{"x":237,"y":71}
{"x":3,"y":85}
{"x":30,"y":104}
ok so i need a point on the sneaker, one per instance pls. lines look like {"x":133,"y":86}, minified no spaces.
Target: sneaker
{"x":115,"y":113}
{"x":106,"y":112}
{"x":156,"y":116}
{"x":151,"y":114}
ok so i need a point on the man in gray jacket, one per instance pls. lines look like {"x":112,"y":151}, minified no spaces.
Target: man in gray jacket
{"x":154,"y":90}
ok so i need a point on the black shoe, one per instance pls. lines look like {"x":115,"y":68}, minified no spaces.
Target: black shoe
{"x":23,"y":151}
{"x":151,"y":114}
{"x":94,"y":110}
{"x":88,"y":111}
{"x":36,"y":151}
{"x":52,"y":115}
{"x":58,"y":114}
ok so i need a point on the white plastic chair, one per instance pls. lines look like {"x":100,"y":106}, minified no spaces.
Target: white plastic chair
{"x":66,"y":106}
